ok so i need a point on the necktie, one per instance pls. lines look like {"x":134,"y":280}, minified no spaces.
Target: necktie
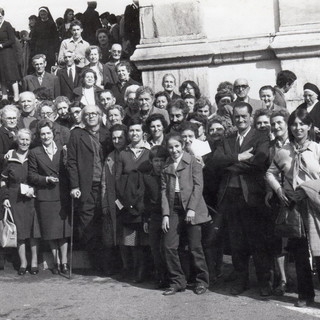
{"x":70,"y":75}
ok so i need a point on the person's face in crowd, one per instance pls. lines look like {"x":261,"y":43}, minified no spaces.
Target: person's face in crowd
{"x":106,"y":100}
{"x":241,"y":118}
{"x":27,"y":102}
{"x":62,"y":109}
{"x":123,"y":73}
{"x":241,"y":88}
{"x":32,"y":23}
{"x":300,"y":130}
{"x":168,"y":84}
{"x":114,"y":116}
{"x":205,"y":111}
{"x":118,"y":139}
{"x":145,"y":101}
{"x":189,"y":89}
{"x":70,"y":16}
{"x":279,"y":127}
{"x":23,"y":141}
{"x":287,"y":87}
{"x":268,"y":97}
{"x":156,"y":129}
{"x":94,"y":56}
{"x":39,"y":65}
{"x":91,"y":117}
{"x":190,"y":103}
{"x":263,"y":123}
{"x":310,"y":97}
{"x":131,"y":102}
{"x":216,"y":131}
{"x":224,"y":101}
{"x":103,"y":39}
{"x":43,"y":15}
{"x":157,"y":165}
{"x":176,"y":115}
{"x":47,"y":112}
{"x":76,"y":32}
{"x":89,"y":80}
{"x":46,"y":136}
{"x":116,"y":51}
{"x":135,"y":133}
{"x":161,"y":102}
{"x":188,"y":137}
{"x":175,"y":148}
{"x":68,"y":58}
{"x":9,"y":120}
{"x":76,"y":114}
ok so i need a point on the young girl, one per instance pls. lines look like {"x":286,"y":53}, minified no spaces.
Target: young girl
{"x":183,"y":210}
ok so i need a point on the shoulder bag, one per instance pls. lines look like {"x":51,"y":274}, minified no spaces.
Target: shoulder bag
{"x":8,"y":230}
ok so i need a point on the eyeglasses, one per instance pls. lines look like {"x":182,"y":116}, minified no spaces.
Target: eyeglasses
{"x":76,"y":112}
{"x":243,"y":87}
{"x":46,"y":114}
{"x":90,"y":114}
{"x":11,"y":119}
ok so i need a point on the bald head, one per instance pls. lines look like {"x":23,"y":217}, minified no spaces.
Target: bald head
{"x":27,"y":101}
{"x":241,"y":89}
{"x":116,"y":51}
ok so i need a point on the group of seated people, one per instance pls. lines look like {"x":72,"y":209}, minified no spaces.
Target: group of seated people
{"x":173,"y":173}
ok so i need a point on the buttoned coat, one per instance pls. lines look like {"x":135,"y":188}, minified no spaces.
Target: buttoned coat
{"x":251,"y":172}
{"x":189,"y":173}
{"x":80,"y":159}
{"x":49,"y":81}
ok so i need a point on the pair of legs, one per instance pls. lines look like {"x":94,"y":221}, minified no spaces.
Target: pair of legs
{"x":59,"y":249}
{"x":15,"y":89}
{"x":23,"y":256}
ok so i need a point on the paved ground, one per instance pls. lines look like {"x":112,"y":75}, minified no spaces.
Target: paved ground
{"x":87,"y":297}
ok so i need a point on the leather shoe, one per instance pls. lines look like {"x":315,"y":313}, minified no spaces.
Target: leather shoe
{"x":22,"y":271}
{"x":238,"y":288}
{"x":301,"y":303}
{"x":55,"y":269}
{"x":280,"y":289}
{"x":200,"y":289}
{"x":172,"y":290}
{"x":34,"y":271}
{"x":65,"y":268}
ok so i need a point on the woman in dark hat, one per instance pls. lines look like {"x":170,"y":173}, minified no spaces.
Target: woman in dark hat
{"x":45,"y":37}
{"x":311,"y":94}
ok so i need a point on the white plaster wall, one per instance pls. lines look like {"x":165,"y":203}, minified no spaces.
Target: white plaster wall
{"x":236,"y":18}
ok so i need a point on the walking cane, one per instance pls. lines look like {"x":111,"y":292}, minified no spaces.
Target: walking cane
{"x":71,"y":238}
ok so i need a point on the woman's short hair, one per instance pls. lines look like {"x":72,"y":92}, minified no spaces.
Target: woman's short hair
{"x":259,"y":113}
{"x":201,"y":103}
{"x":268,"y":87}
{"x":189,"y":126}
{"x":162,"y":94}
{"x":284,"y":113}
{"x":125,"y":64}
{"x":118,"y":107}
{"x":44,"y":123}
{"x":23,"y":131}
{"x":304,"y":116}
{"x":223,"y":93}
{"x":131,"y":89}
{"x":154,"y":117}
{"x":174,"y":135}
{"x":90,"y":48}
{"x":84,"y":72}
{"x":9,"y":108}
{"x":61,"y":99}
{"x":119,"y":127}
{"x":47,"y":103}
{"x":102,"y":30}
{"x":217,"y":119}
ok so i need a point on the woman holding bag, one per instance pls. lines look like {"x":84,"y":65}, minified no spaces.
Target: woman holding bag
{"x":299,"y":162}
{"x":19,"y":197}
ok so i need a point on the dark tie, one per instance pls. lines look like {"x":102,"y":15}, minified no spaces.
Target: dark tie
{"x":70,"y":75}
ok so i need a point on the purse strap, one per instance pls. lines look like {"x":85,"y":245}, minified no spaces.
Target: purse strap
{"x":7,"y":212}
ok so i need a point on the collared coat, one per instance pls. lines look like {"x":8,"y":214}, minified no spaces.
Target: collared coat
{"x":66,"y":85}
{"x":189,"y":173}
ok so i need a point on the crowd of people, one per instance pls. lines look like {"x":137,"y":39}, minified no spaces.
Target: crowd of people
{"x":168,"y":178}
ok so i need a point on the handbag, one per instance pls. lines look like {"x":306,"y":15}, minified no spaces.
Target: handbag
{"x":8,"y":230}
{"x":289,"y":222}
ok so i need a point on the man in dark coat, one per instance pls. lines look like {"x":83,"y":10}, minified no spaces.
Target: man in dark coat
{"x":244,"y":160}
{"x":91,"y":23}
{"x":87,"y":150}
{"x":69,"y":76}
{"x":132,"y":25}
{"x":41,"y":78}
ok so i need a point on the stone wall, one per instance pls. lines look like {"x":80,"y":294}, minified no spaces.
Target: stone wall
{"x":210,"y":41}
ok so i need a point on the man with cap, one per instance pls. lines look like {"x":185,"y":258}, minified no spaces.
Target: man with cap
{"x":241,"y":88}
{"x":311,"y":94}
